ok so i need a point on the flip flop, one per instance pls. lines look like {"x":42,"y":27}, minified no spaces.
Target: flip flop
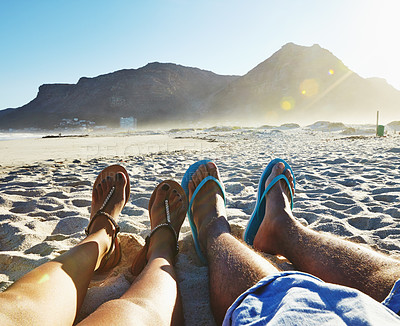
{"x":110,"y":171}
{"x":140,"y":260}
{"x":259,"y":211}
{"x":185,"y":185}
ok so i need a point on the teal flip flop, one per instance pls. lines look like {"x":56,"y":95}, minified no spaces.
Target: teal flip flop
{"x":259,"y":211}
{"x":185,"y":185}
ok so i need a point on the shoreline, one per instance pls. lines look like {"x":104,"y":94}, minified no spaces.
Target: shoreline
{"x":37,"y":150}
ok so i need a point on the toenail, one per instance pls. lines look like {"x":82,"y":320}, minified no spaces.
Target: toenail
{"x":165,"y":187}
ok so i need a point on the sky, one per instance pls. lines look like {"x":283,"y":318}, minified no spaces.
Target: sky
{"x":59,"y":41}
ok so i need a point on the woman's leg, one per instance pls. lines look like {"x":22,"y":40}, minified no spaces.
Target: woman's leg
{"x":52,"y":293}
{"x":153,"y":298}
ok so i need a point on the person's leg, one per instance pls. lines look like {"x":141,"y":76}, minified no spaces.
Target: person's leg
{"x":233,"y":266}
{"x":52,"y":293}
{"x":153,"y":298}
{"x":330,"y":258}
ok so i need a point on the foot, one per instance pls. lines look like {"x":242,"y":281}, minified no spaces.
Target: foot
{"x":113,"y":207}
{"x":163,"y":240}
{"x":278,"y":214}
{"x":208,"y":207}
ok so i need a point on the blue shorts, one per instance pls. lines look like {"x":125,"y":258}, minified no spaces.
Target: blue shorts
{"x":295,"y":298}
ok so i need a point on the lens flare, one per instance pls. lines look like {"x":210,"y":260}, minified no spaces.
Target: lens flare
{"x":287,"y":103}
{"x":331,"y":72}
{"x":309,"y":87}
{"x":44,"y":278}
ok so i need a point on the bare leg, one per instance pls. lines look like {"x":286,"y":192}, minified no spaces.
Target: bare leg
{"x":153,"y":299}
{"x":327,"y":257}
{"x":233,"y":267}
{"x":52,"y":293}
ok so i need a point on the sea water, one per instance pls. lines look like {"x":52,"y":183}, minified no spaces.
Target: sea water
{"x":19,"y":135}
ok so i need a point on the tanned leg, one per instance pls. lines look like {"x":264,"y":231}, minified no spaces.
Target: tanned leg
{"x":153,"y":298}
{"x":233,"y":267}
{"x":330,"y":258}
{"x":52,"y":293}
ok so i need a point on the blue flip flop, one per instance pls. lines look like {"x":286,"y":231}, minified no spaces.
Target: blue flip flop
{"x":185,"y":185}
{"x":259,"y":211}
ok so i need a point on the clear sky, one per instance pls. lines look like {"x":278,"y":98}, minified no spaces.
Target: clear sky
{"x":59,"y":41}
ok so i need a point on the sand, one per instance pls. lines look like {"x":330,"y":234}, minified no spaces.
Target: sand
{"x":348,"y":186}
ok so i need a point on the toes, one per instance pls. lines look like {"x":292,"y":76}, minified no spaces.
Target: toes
{"x":120,"y":180}
{"x":197,"y":177}
{"x":99,"y":190}
{"x":278,"y":168}
{"x":212,"y":169}
{"x":104,"y":185}
{"x":175,"y":199}
{"x":162,"y":192}
{"x":202,"y":171}
{"x":191,"y":187}
{"x":289,"y":176}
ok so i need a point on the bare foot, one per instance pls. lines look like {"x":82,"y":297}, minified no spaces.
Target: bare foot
{"x":177,"y":204}
{"x":278,"y":213}
{"x":208,"y":205}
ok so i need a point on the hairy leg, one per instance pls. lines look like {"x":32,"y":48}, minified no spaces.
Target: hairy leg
{"x":153,"y":298}
{"x":330,"y":258}
{"x":233,"y":267}
{"x":52,"y":293}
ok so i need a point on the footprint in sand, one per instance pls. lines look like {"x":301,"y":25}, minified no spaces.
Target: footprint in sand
{"x":81,"y":202}
{"x":386,"y":198}
{"x":57,"y":194}
{"x":367,"y":223}
{"x":71,"y":225}
{"x":24,"y":206}
{"x":42,"y":249}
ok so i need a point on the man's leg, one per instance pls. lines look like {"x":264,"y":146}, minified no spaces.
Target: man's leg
{"x":153,"y":298}
{"x":332,"y":259}
{"x":233,"y":267}
{"x":52,"y":293}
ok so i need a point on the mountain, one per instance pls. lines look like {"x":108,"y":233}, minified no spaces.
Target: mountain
{"x":156,"y":92}
{"x":305,"y":84}
{"x":296,"y":84}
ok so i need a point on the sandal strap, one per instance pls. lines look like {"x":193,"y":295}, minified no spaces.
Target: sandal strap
{"x":169,"y":226}
{"x":110,"y":193}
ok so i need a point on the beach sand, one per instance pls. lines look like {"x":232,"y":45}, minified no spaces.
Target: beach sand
{"x":348,"y":186}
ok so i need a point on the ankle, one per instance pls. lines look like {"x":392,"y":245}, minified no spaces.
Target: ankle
{"x":162,"y":244}
{"x":213,"y":229}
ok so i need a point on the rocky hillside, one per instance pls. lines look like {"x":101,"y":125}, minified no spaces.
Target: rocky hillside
{"x":296,"y":84}
{"x":156,"y":92}
{"x":306,"y":84}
